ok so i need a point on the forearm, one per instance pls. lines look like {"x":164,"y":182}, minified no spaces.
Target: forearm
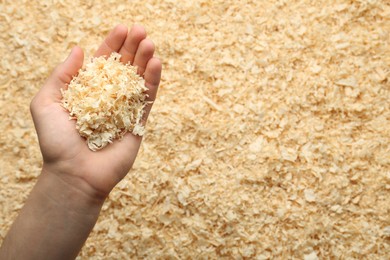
{"x":54,"y":222}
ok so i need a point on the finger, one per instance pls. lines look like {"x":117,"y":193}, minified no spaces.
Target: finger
{"x":133,"y":39}
{"x":64,"y":72}
{"x":144,"y":53}
{"x":71,"y":65}
{"x":61,"y":77}
{"x":152,"y":77}
{"x":113,"y":41}
{"x":152,"y":81}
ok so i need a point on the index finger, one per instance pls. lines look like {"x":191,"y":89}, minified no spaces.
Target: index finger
{"x":113,"y":42}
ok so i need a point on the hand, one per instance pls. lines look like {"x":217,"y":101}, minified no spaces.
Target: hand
{"x":64,"y":204}
{"x":64,"y":152}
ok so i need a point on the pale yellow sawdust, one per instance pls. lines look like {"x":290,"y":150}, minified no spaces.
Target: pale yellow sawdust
{"x":269,"y":138}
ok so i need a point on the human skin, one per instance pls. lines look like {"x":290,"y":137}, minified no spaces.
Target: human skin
{"x":65,"y":203}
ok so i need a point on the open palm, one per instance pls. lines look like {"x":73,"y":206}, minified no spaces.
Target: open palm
{"x":63,"y":150}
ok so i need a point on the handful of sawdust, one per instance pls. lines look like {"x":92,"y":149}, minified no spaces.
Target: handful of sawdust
{"x":107,"y":98}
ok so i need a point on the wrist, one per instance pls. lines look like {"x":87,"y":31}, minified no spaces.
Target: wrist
{"x":71,"y":182}
{"x":68,"y":189}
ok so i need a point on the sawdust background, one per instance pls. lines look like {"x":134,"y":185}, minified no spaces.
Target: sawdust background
{"x":269,"y":138}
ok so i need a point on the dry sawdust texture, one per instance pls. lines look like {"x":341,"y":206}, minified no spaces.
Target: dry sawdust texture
{"x":269,"y":139}
{"x":107,"y":99}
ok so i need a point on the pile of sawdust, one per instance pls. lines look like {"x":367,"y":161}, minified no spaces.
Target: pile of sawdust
{"x":269,"y":137}
{"x":107,"y":99}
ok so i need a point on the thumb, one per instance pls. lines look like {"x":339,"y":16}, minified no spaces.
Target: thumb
{"x":64,"y":72}
{"x":59,"y":79}
{"x":61,"y":76}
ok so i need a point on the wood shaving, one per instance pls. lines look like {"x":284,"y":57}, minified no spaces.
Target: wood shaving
{"x":107,"y":100}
